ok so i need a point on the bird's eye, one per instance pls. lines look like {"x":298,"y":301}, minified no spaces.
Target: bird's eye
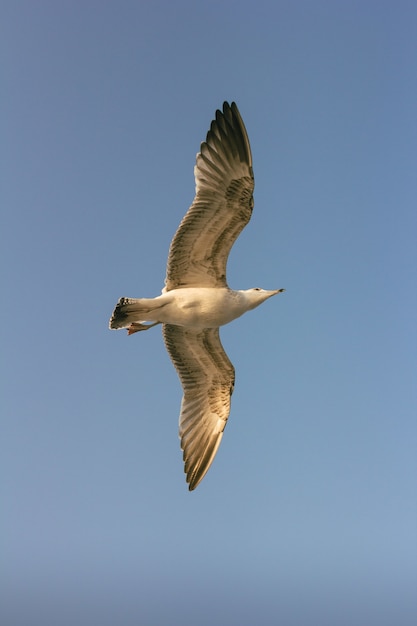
{"x":257,"y":289}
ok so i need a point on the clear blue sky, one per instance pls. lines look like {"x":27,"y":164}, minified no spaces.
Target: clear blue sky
{"x":308,"y":514}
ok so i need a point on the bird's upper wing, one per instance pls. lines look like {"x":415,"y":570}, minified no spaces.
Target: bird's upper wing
{"x":221,"y":209}
{"x":207,"y":377}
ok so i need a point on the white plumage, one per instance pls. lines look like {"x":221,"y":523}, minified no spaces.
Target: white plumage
{"x":196,"y":299}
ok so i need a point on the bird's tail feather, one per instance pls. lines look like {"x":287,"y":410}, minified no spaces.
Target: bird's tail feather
{"x":132,"y":310}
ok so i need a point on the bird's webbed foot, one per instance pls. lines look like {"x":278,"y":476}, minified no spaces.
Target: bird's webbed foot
{"x":135,"y":327}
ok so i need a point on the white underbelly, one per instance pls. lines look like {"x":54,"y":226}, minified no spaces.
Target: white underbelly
{"x":200,"y":307}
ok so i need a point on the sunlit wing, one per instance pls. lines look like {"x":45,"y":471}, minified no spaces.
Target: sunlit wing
{"x":207,"y":377}
{"x":221,"y":209}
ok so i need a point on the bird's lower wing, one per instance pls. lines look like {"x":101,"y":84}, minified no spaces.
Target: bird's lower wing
{"x":207,"y":377}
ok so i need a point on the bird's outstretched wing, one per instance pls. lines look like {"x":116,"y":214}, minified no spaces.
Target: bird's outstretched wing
{"x":221,"y":209}
{"x":207,"y":377}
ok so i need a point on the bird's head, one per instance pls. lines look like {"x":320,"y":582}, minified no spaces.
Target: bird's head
{"x":256,"y":296}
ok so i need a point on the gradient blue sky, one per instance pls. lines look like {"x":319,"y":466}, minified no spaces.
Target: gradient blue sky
{"x":308,"y":514}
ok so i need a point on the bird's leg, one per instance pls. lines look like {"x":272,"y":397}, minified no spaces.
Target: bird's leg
{"x":135,"y":327}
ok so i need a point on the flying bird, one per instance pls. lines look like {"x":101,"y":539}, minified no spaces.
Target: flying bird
{"x":196,"y":299}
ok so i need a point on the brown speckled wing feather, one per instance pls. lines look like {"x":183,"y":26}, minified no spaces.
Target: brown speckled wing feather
{"x":221,"y":209}
{"x":207,"y":377}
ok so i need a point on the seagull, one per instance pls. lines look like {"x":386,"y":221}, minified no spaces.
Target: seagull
{"x":196,"y":299}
